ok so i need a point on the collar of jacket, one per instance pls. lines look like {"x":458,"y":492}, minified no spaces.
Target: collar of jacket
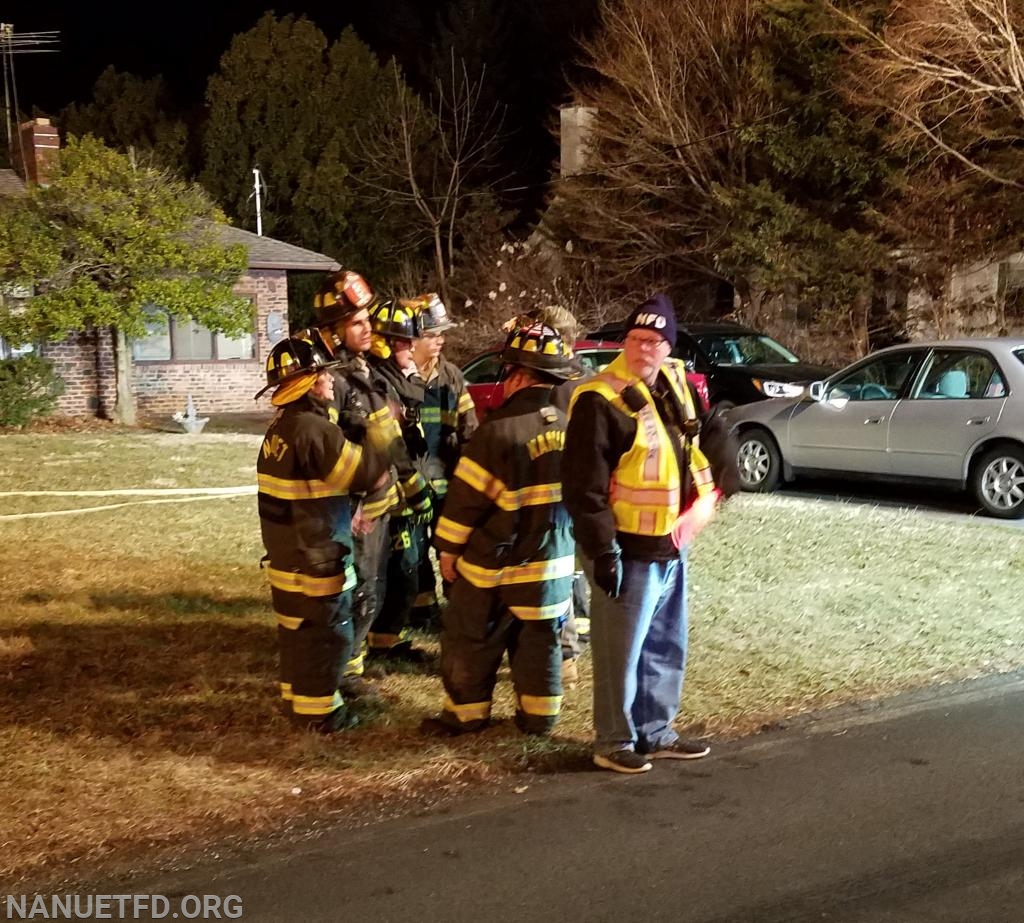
{"x":618,"y":368}
{"x":527,"y":400}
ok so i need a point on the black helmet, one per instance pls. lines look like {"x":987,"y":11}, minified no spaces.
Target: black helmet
{"x":540,"y":347}
{"x":342,"y":295}
{"x":395,"y":319}
{"x":433,"y":314}
{"x":295,"y":356}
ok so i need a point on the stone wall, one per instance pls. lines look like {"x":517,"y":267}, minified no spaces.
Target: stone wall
{"x":85,"y":362}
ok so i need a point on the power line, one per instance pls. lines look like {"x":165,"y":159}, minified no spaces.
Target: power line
{"x":17,"y":43}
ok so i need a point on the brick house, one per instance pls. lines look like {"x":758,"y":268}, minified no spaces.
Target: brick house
{"x":177,"y":359}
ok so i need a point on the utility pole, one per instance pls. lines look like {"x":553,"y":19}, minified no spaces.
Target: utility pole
{"x":12,"y":43}
{"x":257,"y":182}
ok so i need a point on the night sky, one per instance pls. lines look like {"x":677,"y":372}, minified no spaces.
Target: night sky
{"x":182,"y":40}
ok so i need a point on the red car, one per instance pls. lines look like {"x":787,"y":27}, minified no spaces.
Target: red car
{"x":482,"y":373}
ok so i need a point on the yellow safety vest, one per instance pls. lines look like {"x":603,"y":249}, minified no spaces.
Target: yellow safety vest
{"x":645,"y":488}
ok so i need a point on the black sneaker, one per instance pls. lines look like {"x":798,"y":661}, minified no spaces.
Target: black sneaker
{"x":623,"y":761}
{"x":681,"y":750}
{"x":438,"y":727}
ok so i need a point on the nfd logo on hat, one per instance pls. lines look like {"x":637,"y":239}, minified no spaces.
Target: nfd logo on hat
{"x":644,"y":319}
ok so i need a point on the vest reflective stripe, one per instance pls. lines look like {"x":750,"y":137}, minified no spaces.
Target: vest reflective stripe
{"x":451,"y":531}
{"x":537,"y":495}
{"x":534,"y":572}
{"x":284,"y":489}
{"x":316,"y":704}
{"x":289,"y":621}
{"x":547,"y":705}
{"x":472,"y":711}
{"x":430,"y":414}
{"x":645,"y":493}
{"x":541,"y":613}
{"x":292,"y":582}
{"x":479,"y":478}
{"x":465,"y":403}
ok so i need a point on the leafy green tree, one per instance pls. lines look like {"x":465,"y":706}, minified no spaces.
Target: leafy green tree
{"x":131,"y":113}
{"x":265,"y":110}
{"x":106,"y":242}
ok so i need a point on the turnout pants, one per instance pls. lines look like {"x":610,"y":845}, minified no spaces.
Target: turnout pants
{"x":314,"y":644}
{"x":477,"y":630}
{"x":370,"y":561}
{"x":407,"y":546}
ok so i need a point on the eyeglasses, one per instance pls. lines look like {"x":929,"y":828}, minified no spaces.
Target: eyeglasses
{"x":643,"y":342}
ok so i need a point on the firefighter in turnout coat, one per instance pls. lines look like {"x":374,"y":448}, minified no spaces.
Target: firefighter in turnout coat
{"x":305,"y":470}
{"x":506,"y":544}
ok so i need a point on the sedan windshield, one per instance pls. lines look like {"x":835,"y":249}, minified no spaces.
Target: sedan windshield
{"x":744,"y":349}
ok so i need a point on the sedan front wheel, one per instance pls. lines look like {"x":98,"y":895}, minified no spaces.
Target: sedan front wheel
{"x":998,"y":482}
{"x":759,"y":461}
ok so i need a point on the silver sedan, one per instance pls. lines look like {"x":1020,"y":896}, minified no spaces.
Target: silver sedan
{"x":947,"y":412}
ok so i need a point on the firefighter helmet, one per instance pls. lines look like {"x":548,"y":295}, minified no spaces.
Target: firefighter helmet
{"x":434,"y":317}
{"x":395,"y":320}
{"x":293,"y":358}
{"x":341,"y":295}
{"x":541,"y":348}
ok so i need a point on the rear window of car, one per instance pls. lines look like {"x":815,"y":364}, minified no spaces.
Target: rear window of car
{"x":486,"y":369}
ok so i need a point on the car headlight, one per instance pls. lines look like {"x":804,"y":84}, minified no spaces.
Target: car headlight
{"x":778,"y":388}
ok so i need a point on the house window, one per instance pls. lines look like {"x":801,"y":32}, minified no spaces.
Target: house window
{"x":169,"y":339}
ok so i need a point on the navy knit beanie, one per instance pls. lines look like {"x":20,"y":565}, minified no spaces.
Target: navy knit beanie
{"x":656,"y":313}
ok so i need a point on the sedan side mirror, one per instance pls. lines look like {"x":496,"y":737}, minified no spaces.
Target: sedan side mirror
{"x":816,"y":391}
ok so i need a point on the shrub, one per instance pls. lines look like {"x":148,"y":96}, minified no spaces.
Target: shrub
{"x":29,"y":388}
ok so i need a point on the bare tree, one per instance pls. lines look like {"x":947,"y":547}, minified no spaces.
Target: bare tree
{"x":674,"y":86}
{"x":952,"y":72}
{"x":431,"y":159}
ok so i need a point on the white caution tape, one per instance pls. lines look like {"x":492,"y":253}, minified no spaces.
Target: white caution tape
{"x":135,"y":492}
{"x":116,"y":506}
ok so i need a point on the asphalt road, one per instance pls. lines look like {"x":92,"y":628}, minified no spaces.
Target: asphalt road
{"x":906,"y":811}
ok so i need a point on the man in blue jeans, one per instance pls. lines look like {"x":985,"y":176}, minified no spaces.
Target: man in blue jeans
{"x":639,"y":487}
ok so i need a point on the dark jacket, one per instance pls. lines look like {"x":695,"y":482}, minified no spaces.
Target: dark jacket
{"x":503,"y":515}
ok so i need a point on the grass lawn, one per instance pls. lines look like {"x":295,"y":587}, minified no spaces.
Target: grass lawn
{"x":138,"y":697}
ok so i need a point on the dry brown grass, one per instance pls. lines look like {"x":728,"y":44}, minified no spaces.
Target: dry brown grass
{"x":137,"y":702}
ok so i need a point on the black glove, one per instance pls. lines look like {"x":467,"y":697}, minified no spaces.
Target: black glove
{"x":608,"y":573}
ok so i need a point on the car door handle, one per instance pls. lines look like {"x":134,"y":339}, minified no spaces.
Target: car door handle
{"x":871,"y":421}
{"x":978,"y":421}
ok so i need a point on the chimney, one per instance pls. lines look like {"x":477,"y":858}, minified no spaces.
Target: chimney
{"x":40,"y":145}
{"x":574,"y":125}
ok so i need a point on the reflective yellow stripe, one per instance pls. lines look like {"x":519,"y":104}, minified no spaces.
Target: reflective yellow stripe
{"x":286,"y":691}
{"x":343,"y":472}
{"x":374,"y":509}
{"x":539,"y":613}
{"x":538,"y":495}
{"x":479,"y":478}
{"x":292,"y":582}
{"x":316,"y":704}
{"x":430,"y":414}
{"x":284,"y":489}
{"x":465,"y":403}
{"x":474,"y":711}
{"x":546,"y":705}
{"x":451,"y":531}
{"x":355,"y":666}
{"x":534,"y":572}
{"x":450,"y":418}
{"x":288,"y":621}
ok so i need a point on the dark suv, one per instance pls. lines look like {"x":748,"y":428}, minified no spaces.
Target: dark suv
{"x":741,"y":365}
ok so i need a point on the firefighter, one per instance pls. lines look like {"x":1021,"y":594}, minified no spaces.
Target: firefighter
{"x":448,"y":419}
{"x":395,"y":328}
{"x":506,"y":545}
{"x":305,"y":469}
{"x":342,"y":315}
